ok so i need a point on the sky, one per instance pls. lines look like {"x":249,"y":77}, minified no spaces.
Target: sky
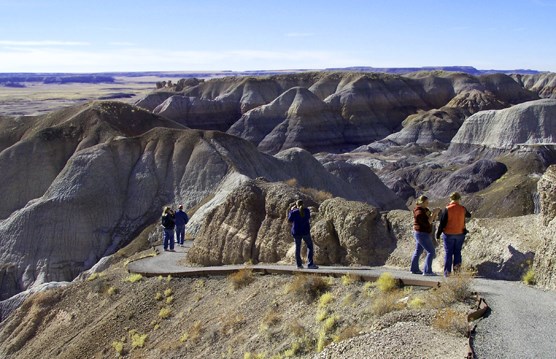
{"x":240,"y":35}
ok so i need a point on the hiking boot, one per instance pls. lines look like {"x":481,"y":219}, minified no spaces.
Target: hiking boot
{"x":299,"y":267}
{"x":431,"y":274}
{"x":313,"y":266}
{"x":416,"y":272}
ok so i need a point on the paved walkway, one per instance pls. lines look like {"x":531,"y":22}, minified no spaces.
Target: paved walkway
{"x":166,"y":263}
{"x":521,"y":323}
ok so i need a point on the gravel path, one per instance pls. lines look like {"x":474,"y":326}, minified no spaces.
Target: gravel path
{"x":521,"y":324}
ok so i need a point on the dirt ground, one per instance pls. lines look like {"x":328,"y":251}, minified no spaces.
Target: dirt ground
{"x":246,"y":316}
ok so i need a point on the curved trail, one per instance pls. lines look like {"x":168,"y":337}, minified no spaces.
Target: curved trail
{"x":521,"y":322}
{"x":166,"y":263}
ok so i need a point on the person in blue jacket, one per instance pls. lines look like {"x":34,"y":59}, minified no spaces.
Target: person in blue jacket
{"x":299,"y":216}
{"x":181,"y":219}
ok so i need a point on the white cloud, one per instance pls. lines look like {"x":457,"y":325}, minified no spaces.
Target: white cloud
{"x":136,"y":59}
{"x":41,"y":43}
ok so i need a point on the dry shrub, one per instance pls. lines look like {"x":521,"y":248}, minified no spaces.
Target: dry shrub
{"x":456,"y":288}
{"x":451,"y":321}
{"x":308,"y":287}
{"x":132,"y":278}
{"x":138,"y":340}
{"x":386,"y":302}
{"x":193,"y":334}
{"x":270,"y":319}
{"x":325,"y":299}
{"x":118,"y":347}
{"x":346,"y":333}
{"x":241,"y":278}
{"x":296,"y":329}
{"x":529,"y":277}
{"x":350,"y":278}
{"x":292,"y":182}
{"x":232,"y":323}
{"x":386,"y":282}
{"x":317,"y":195}
{"x":165,"y":313}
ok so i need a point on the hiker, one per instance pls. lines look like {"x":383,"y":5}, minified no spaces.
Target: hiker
{"x":422,"y":226}
{"x":181,"y":220}
{"x":453,"y":231}
{"x":299,"y":216}
{"x":168,"y":224}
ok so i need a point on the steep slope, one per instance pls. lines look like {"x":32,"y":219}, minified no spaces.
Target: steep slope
{"x":529,"y":124}
{"x":297,"y":118}
{"x":543,"y":84}
{"x":99,"y":182}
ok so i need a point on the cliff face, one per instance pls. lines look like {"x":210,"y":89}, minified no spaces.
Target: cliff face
{"x":544,"y":265}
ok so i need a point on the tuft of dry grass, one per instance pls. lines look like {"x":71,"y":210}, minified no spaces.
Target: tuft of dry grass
{"x":386,"y":282}
{"x":241,"y":278}
{"x":325,"y":299}
{"x":132,"y":278}
{"x":386,"y":302}
{"x":138,"y":340}
{"x":346,"y":333}
{"x":118,"y":347}
{"x":317,"y":195}
{"x":456,"y":288}
{"x":350,"y":278}
{"x":308,"y":287}
{"x":168,"y":292}
{"x":193,"y":334}
{"x":270,"y":319}
{"x":529,"y":277}
{"x":292,"y":182}
{"x":165,"y":313}
{"x":170,"y":300}
{"x":451,"y":321}
{"x":232,"y":323}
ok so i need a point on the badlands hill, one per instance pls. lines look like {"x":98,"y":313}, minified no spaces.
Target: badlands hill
{"x":95,"y":176}
{"x":349,"y":108}
{"x":83,"y":182}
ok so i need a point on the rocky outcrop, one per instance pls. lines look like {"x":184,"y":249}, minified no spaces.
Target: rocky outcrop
{"x":543,"y":84}
{"x":251,"y":226}
{"x":349,"y":232}
{"x":545,"y":266}
{"x":527,"y":124}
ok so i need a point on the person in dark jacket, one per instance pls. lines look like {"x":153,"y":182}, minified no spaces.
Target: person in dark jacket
{"x":422,"y":227}
{"x":168,"y":223}
{"x":181,"y":220}
{"x":452,"y":229}
{"x":299,"y":216}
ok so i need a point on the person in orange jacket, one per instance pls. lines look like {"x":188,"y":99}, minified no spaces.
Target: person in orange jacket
{"x":452,"y":229}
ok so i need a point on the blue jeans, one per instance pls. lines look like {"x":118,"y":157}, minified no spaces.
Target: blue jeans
{"x":423,"y":241}
{"x":180,"y":234}
{"x":452,"y":248}
{"x":309,"y":244}
{"x":168,"y":238}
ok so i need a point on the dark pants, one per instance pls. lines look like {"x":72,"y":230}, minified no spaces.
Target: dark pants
{"x":452,"y":247}
{"x":168,"y":238}
{"x":180,"y":234}
{"x":309,"y":244}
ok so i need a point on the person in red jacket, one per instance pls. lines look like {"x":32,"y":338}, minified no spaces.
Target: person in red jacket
{"x":452,"y":229}
{"x":422,"y":226}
